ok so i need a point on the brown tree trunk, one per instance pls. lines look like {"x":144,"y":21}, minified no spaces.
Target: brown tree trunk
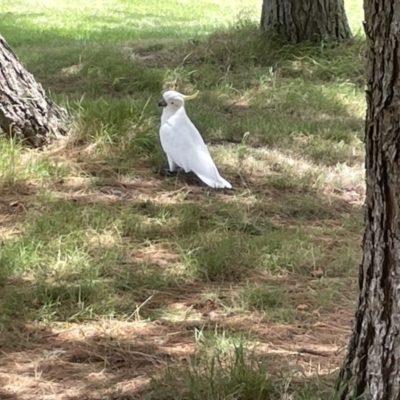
{"x":299,"y":20}
{"x":25,"y":111}
{"x":372,"y":366}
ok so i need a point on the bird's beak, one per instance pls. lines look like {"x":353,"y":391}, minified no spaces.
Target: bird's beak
{"x":191,"y":96}
{"x":162,"y":103}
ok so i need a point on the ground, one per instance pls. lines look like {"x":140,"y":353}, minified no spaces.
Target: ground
{"x":120,"y":283}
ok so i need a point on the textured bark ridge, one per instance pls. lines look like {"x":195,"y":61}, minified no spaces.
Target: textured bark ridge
{"x":372,"y":366}
{"x":306,"y":19}
{"x":24,"y":109}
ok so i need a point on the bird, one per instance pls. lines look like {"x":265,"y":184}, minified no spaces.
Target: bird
{"x":183,"y":143}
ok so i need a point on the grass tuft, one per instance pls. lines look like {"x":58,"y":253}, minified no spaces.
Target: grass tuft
{"x":235,"y":374}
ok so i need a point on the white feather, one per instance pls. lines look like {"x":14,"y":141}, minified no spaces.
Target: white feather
{"x":184,"y":145}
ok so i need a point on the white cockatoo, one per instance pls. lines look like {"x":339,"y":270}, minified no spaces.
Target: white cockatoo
{"x":183,"y":144}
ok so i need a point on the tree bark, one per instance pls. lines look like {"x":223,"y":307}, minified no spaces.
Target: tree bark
{"x":25,"y":111}
{"x":299,"y":20}
{"x":372,"y":366}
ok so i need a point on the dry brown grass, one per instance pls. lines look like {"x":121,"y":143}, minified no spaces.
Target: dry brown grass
{"x":96,"y":359}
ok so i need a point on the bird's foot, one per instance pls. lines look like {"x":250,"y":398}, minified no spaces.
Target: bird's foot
{"x":167,"y":172}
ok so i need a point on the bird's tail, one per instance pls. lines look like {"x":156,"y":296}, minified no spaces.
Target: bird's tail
{"x":221,"y":183}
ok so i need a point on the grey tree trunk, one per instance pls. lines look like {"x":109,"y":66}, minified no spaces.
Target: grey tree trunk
{"x":299,"y":20}
{"x":25,"y":111}
{"x":372,"y":366}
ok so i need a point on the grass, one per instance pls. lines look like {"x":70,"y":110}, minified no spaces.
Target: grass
{"x":117,"y":281}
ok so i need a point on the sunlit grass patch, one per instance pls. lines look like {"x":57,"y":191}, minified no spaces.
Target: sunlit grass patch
{"x":118,"y":20}
{"x":18,"y":166}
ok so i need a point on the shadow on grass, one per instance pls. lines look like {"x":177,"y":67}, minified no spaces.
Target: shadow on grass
{"x":128,"y":360}
{"x":126,"y":302}
{"x":100,"y":255}
{"x":5,"y":395}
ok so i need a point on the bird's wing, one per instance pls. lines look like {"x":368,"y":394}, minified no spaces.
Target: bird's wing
{"x":187,"y":126}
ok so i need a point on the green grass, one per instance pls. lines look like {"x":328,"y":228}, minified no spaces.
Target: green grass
{"x":117,"y":20}
{"x":227,"y":375}
{"x":131,"y":274}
